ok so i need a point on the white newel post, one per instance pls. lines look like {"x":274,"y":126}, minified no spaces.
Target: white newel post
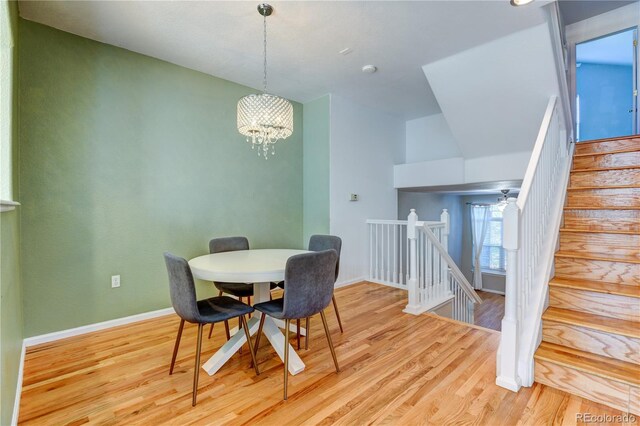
{"x":413,"y":306}
{"x":508,"y":360}
{"x":444,"y":218}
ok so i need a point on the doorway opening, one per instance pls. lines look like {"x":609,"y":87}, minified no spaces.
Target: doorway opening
{"x":606,"y":86}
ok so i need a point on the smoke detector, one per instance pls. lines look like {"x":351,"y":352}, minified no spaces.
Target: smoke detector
{"x":369,"y":69}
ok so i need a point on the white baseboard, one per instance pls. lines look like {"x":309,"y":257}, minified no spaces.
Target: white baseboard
{"x":388,"y":284}
{"x":488,"y":290}
{"x":63,"y":334}
{"x":349,"y":282}
{"x":16,"y":403}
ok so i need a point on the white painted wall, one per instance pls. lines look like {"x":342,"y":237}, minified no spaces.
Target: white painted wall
{"x":456,"y":171}
{"x":494,"y":95}
{"x":429,"y":173}
{"x":365,"y":145}
{"x":430,"y":138}
{"x":510,"y":166}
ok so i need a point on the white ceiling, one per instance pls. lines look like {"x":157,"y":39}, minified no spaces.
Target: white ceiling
{"x":224,"y":39}
{"x":578,"y":10}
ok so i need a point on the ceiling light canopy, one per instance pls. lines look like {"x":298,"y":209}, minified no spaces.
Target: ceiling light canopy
{"x":520,"y":2}
{"x":264,"y":118}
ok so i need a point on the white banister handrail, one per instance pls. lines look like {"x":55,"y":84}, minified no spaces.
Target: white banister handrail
{"x":556,"y":29}
{"x":537,"y":151}
{"x":453,"y":268}
{"x":530,"y":233}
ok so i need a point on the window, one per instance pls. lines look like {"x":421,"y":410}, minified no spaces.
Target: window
{"x":493,"y":257}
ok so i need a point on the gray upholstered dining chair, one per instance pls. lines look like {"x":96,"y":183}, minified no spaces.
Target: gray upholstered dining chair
{"x":326,"y":242}
{"x":239,"y":290}
{"x":308,"y":281}
{"x":201,"y":312}
{"x":319,"y":243}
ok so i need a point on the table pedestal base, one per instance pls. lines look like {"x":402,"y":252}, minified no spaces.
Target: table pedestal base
{"x":270,"y":330}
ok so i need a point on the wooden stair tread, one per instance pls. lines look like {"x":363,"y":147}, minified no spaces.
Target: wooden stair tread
{"x":602,"y":207}
{"x":609,"y":257}
{"x":597,"y":286}
{"x":587,"y":188}
{"x":592,"y":321}
{"x":597,"y":365}
{"x":616,"y":151}
{"x":616,"y":138}
{"x":600,"y":231}
{"x":605,"y":169}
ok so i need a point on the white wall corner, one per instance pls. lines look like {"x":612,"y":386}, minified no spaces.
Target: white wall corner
{"x":16,"y":403}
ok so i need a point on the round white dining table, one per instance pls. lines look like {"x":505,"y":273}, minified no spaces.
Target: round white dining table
{"x":254,"y":267}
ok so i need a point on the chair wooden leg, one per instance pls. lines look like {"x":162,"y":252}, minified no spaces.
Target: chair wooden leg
{"x":335,"y":308}
{"x":298,"y":331}
{"x":210,"y":331}
{"x":240,"y":328}
{"x":176,"y":346}
{"x":326,"y":331}
{"x":253,"y":354}
{"x":226,"y":330}
{"x":262,"y":318}
{"x":196,"y":373}
{"x":220,"y":294}
{"x":287,"y":323}
{"x":306,"y":338}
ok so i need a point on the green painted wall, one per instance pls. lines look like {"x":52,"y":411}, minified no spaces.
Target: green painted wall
{"x":11,"y":321}
{"x":316,"y":126}
{"x":123,"y":157}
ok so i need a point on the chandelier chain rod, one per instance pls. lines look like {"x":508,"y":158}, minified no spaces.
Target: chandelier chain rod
{"x":264,"y":80}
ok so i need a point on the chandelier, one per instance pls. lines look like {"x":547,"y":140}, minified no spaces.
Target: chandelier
{"x":265,"y":118}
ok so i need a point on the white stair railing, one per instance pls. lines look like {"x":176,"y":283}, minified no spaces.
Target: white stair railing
{"x":531,"y":223}
{"x":413,"y":255}
{"x":389,"y":249}
{"x":434,"y":278}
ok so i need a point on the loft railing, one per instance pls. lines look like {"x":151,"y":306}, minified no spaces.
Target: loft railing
{"x":531,"y":223}
{"x":413,"y":255}
{"x":389,"y":249}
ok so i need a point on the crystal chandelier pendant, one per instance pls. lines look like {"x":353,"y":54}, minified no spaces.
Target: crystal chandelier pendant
{"x":265,"y":118}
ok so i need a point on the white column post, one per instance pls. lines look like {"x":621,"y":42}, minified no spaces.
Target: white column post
{"x":444,"y":274}
{"x":508,"y":353}
{"x":413,"y":306}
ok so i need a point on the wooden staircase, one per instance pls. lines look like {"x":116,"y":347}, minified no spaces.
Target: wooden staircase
{"x":591,"y":330}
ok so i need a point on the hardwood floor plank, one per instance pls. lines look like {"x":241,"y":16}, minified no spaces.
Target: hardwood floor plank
{"x":395,"y":369}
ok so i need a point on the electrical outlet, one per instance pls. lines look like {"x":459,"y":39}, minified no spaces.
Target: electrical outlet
{"x":115,"y":281}
{"x":353,"y":197}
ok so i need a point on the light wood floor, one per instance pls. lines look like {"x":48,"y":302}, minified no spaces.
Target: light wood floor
{"x":396,"y":369}
{"x":489,"y":313}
